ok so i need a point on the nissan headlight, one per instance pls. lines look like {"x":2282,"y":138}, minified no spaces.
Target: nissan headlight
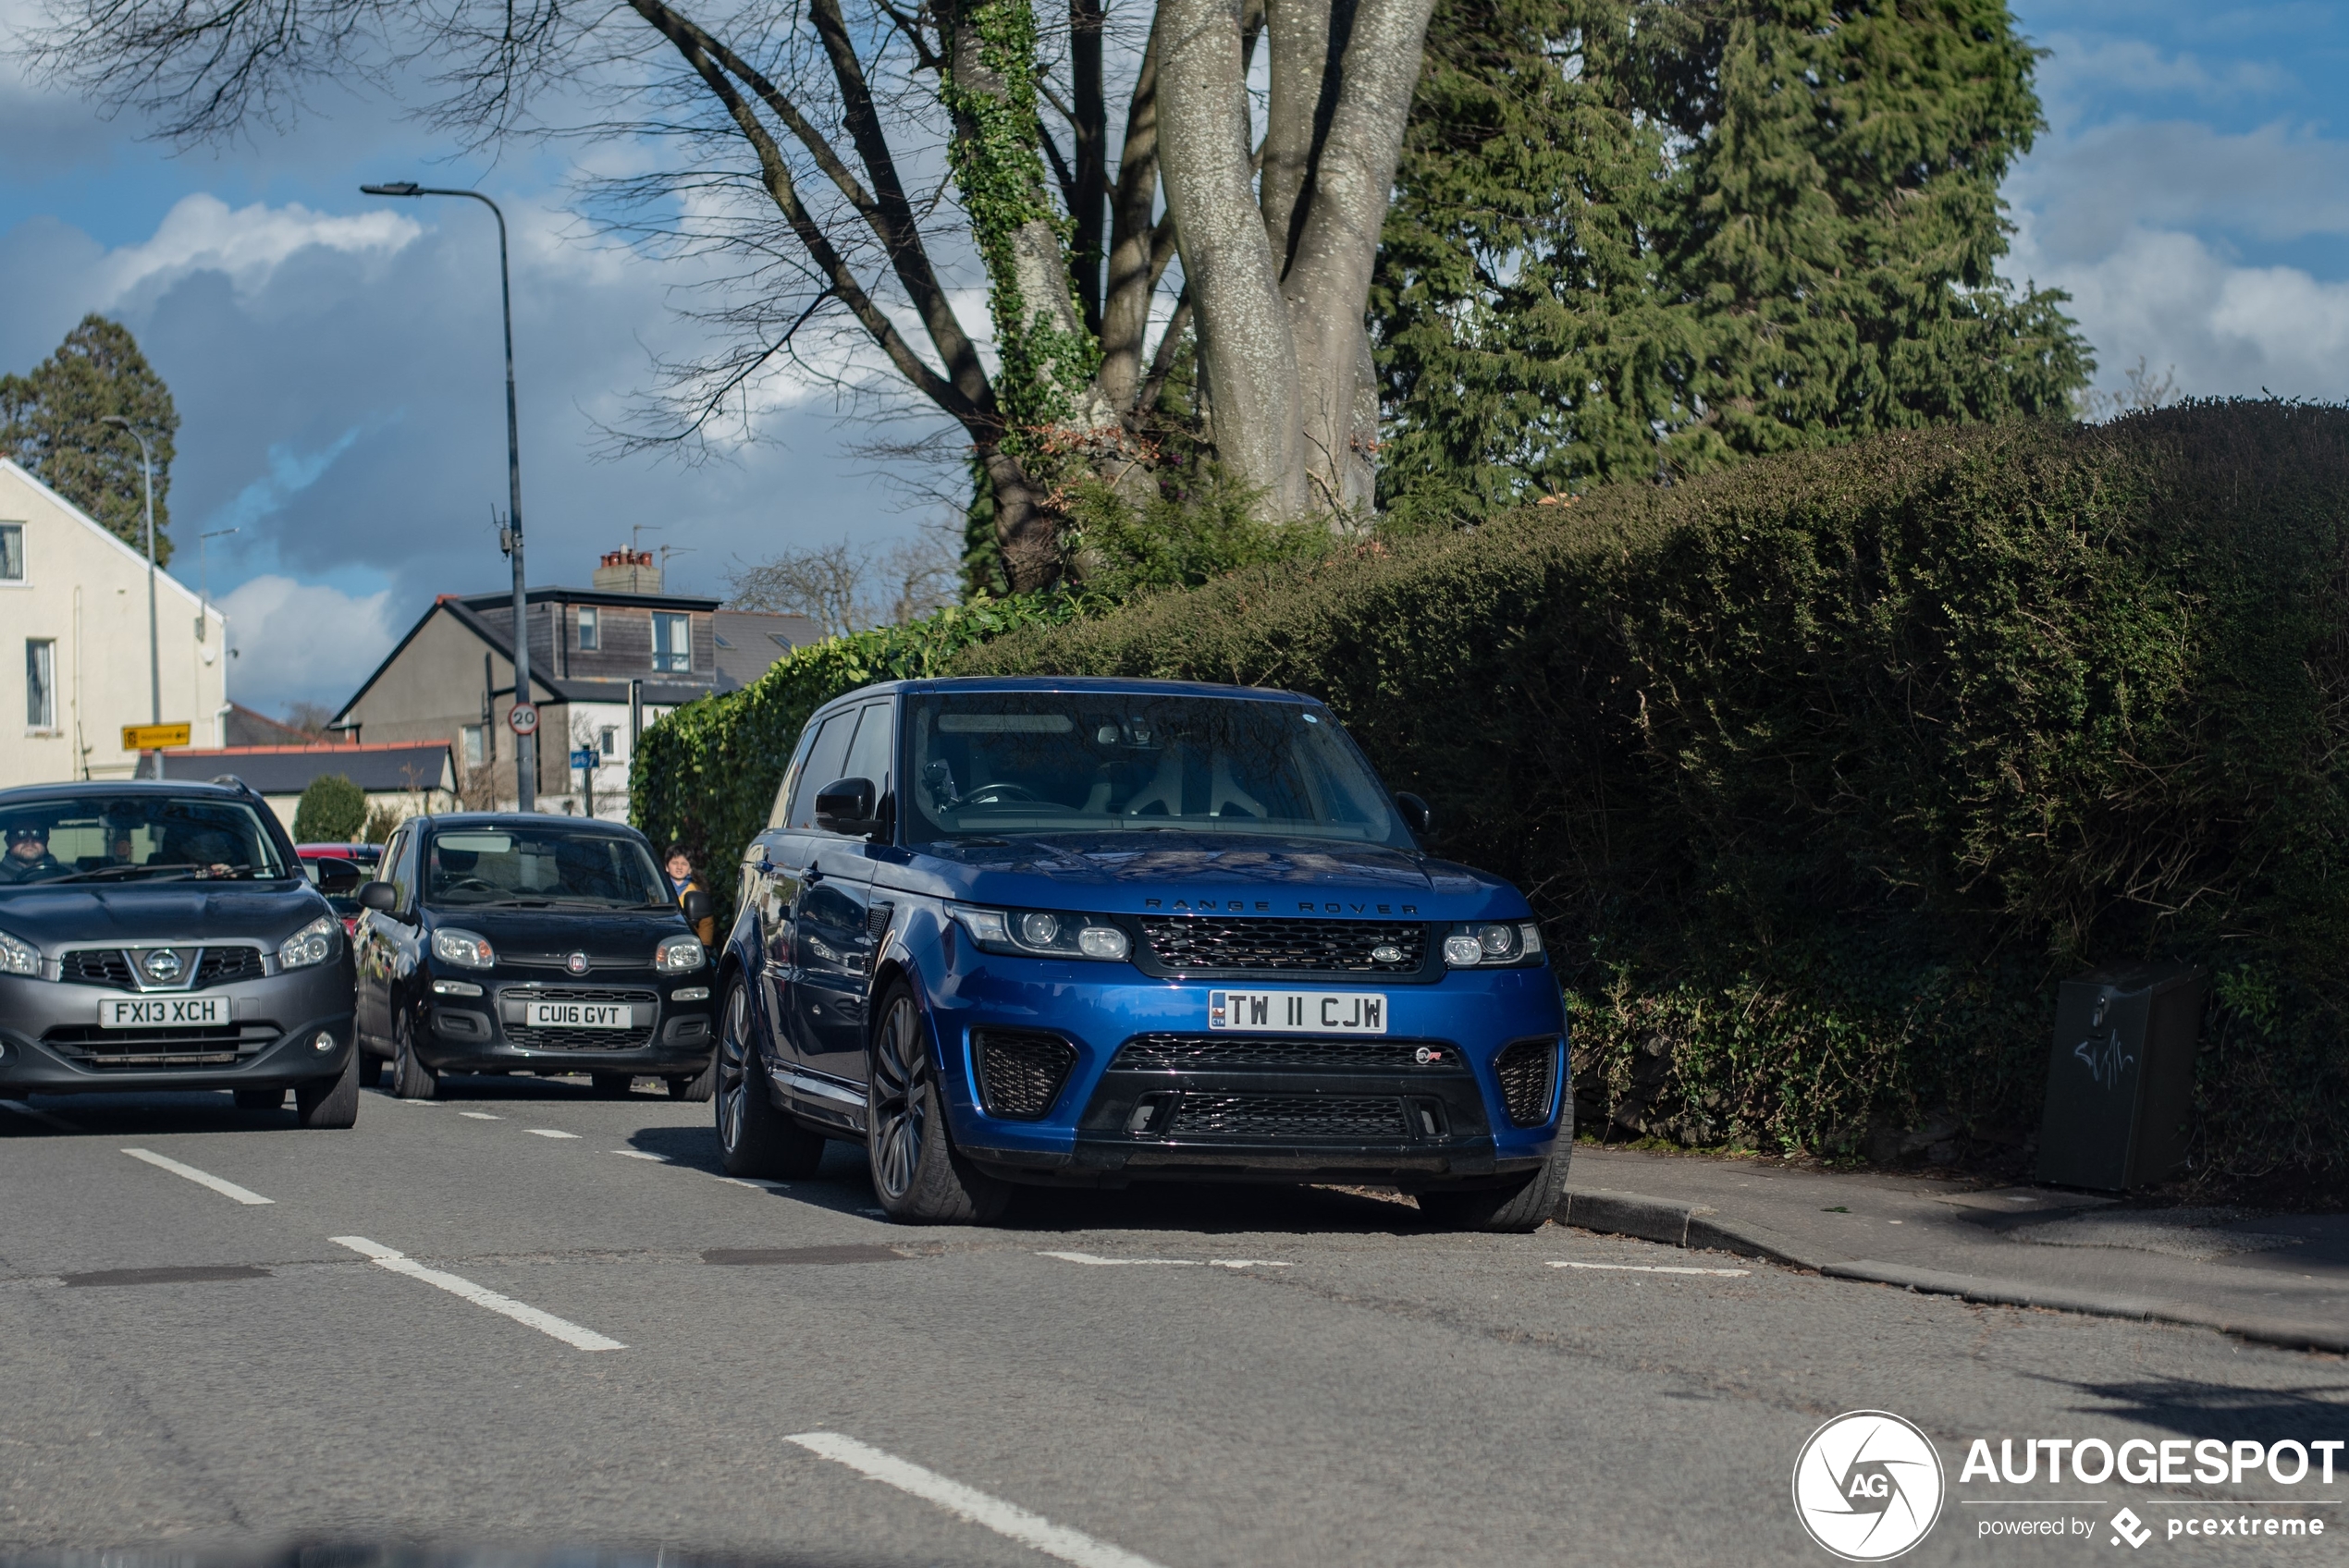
{"x":315,"y":943}
{"x":1042,"y":933}
{"x":19,"y":958}
{"x":1492,"y":944}
{"x":466,"y":950}
{"x":680,"y":955}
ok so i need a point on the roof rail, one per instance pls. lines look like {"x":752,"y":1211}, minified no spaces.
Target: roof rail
{"x":233,"y":782}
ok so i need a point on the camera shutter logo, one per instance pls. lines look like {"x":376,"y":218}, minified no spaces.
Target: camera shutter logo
{"x":1868,"y":1486}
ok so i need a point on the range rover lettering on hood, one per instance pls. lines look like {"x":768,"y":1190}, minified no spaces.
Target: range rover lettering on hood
{"x":1264,"y":906}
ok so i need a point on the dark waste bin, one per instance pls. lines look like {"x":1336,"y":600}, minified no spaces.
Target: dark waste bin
{"x":2121,"y":1078}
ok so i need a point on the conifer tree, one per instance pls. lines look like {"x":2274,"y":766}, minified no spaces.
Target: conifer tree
{"x":1642,"y":239}
{"x":52,"y":422}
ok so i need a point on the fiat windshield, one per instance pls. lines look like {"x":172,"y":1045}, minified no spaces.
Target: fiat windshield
{"x":542,"y":866}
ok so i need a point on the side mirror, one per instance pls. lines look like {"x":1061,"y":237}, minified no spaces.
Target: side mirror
{"x":337,"y":877}
{"x":1417,"y":817}
{"x":697,"y":907}
{"x":381,"y":897}
{"x":845,"y":806}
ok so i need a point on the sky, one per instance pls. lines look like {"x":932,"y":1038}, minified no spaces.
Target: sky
{"x":335,"y":356}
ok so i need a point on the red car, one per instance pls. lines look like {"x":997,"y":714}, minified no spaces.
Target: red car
{"x":322,"y":861}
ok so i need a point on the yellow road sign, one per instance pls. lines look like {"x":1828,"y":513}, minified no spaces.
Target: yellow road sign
{"x":152,"y":736}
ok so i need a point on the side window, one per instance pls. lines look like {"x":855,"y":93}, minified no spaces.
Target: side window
{"x":823,"y":765}
{"x":868,"y":755}
{"x":780,"y":815}
{"x":399,"y":868}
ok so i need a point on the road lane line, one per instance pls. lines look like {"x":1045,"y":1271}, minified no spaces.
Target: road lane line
{"x":480,"y":1295}
{"x":201,"y":1178}
{"x":548,"y":1132}
{"x":1657,"y":1268}
{"x":59,"y":1122}
{"x":1099,"y":1262}
{"x":754,"y":1182}
{"x":479,"y":1116}
{"x":642,"y":1154}
{"x":968,"y":1502}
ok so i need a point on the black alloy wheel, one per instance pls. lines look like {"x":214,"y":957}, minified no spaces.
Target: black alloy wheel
{"x":411,"y":1079}
{"x":919,"y":1176}
{"x":754,"y":1138}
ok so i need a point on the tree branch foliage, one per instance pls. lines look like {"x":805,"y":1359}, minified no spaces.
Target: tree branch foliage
{"x":53,"y":421}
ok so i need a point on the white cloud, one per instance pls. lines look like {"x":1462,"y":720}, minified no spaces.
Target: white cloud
{"x":2274,"y":183}
{"x":201,"y":233}
{"x":302,"y":640}
{"x":2077,"y":64}
{"x":2228,"y":329}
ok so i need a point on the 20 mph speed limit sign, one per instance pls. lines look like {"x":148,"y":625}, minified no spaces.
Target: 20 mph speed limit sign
{"x":522,"y":718}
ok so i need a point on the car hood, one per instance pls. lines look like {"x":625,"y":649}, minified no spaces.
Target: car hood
{"x":192,"y":912}
{"x":1184,"y":873}
{"x":607,"y":936}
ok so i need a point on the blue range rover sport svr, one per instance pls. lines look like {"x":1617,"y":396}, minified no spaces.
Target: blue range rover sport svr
{"x":1088,"y":932}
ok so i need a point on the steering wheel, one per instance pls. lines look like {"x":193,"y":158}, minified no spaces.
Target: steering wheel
{"x":999,"y":794}
{"x":471,"y":885}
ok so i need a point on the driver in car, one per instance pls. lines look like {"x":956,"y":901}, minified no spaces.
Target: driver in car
{"x":27,"y":858}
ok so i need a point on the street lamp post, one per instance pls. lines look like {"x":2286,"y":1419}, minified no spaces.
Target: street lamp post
{"x":526,"y":746}
{"x":154,"y":650}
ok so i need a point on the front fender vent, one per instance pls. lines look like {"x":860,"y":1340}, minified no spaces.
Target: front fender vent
{"x":1526,"y":1071}
{"x":1020,"y":1073}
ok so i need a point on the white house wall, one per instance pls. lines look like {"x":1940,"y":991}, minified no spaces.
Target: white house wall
{"x":86,"y":592}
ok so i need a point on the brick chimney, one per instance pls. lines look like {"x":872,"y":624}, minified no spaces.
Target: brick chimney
{"x":628,"y":571}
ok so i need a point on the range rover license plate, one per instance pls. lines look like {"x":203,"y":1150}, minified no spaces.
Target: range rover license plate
{"x":162,"y":1012}
{"x":579,"y":1015}
{"x":1298,"y":1012}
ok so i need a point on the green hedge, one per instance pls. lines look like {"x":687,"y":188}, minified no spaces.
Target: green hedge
{"x":706,"y":775}
{"x":1823,"y":771}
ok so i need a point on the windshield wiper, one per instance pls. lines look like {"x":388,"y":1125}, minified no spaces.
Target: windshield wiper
{"x":185,"y":869}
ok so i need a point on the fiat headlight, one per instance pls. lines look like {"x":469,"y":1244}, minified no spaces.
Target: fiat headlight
{"x":679,"y":955}
{"x":315,"y":943}
{"x":1042,"y":933}
{"x":466,"y":950}
{"x":1492,"y":944}
{"x":17,"y":958}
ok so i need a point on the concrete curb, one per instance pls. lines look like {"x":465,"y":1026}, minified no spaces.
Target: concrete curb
{"x":1701,"y":1227}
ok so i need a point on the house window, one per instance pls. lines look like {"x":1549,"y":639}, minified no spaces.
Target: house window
{"x":476,"y":744}
{"x":673,"y":641}
{"x":609,"y":741}
{"x":590,"y":633}
{"x":41,"y":683}
{"x":11,"y":552}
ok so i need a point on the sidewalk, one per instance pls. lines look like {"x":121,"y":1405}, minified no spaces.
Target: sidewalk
{"x":2282,"y":1279}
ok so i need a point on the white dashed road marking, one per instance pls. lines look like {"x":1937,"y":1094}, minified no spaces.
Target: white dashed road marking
{"x":1656,"y":1268}
{"x":479,"y":1116}
{"x":480,"y":1295}
{"x":641,"y":1154}
{"x":968,"y":1502}
{"x":1167,"y":1262}
{"x":201,"y":1178}
{"x":548,"y":1132}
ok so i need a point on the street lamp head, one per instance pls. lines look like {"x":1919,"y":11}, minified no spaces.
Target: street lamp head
{"x":396,"y":187}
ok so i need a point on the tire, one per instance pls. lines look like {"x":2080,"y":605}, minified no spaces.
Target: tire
{"x":612,"y":1085}
{"x":330,"y":1103}
{"x":919,"y":1176}
{"x":1519,"y":1207}
{"x":371,"y":1067}
{"x":411,"y":1079}
{"x":700,"y":1086}
{"x":754,"y":1138}
{"x":260,"y":1099}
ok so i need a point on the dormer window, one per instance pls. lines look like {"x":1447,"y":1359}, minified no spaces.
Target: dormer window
{"x":672,"y":643}
{"x":590,"y":633}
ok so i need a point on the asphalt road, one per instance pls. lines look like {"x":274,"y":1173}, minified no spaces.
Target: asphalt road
{"x":1254,"y":1377}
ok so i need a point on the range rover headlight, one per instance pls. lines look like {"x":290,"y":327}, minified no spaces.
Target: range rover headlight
{"x":1042,"y":933}
{"x":315,"y":943}
{"x":679,"y":955}
{"x":1492,"y":944}
{"x":466,"y":950}
{"x":17,"y":958}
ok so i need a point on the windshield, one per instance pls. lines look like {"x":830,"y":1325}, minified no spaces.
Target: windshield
{"x":987,"y":764}
{"x":542,"y":865}
{"x":141,"y":838}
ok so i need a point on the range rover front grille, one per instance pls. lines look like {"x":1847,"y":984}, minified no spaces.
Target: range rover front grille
{"x":1020,"y":1073}
{"x":1525,"y":1070}
{"x":1288,"y":1117}
{"x":1275,"y":1053}
{"x":1190,"y":944}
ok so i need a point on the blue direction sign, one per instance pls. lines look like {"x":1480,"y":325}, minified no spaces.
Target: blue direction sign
{"x":582,"y":758}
